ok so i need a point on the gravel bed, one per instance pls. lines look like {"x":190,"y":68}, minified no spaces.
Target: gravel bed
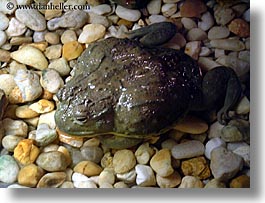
{"x":38,"y":51}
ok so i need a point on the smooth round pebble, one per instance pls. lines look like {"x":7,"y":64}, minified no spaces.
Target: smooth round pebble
{"x":218,"y":32}
{"x":169,"y":9}
{"x":68,"y":36}
{"x":170,"y":181}
{"x":106,"y":176}
{"x":212,"y":144}
{"x":128,"y":14}
{"x":25,"y":112}
{"x":206,"y":22}
{"x":215,"y":183}
{"x":144,"y":153}
{"x":45,"y":135}
{"x":52,"y":180}
{"x":196,"y":34}
{"x":102,"y":9}
{"x":92,"y":153}
{"x":72,"y":50}
{"x":15,"y":127}
{"x":123,"y":161}
{"x":15,"y":28}
{"x":52,"y":37}
{"x":188,"y":23}
{"x":61,"y":66}
{"x":30,"y":175}
{"x":4,"y":21}
{"x":154,"y":7}
{"x":88,"y":168}
{"x":9,"y":142}
{"x":8,"y":169}
{"x":187,"y":149}
{"x":7,"y":83}
{"x":51,"y":80}
{"x":191,"y":182}
{"x":91,"y":33}
{"x":145,"y":175}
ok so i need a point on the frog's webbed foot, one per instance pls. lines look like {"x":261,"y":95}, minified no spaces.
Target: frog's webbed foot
{"x":118,"y":142}
{"x":221,"y":86}
{"x":154,"y":34}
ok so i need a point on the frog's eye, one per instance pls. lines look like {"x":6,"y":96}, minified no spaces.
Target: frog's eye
{"x":81,"y":119}
{"x":80,"y":114}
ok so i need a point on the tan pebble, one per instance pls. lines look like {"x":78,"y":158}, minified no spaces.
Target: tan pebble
{"x":242,"y":181}
{"x":91,"y":33}
{"x":66,"y":153}
{"x":20,"y":40}
{"x":161,"y":163}
{"x":92,"y":142}
{"x":88,"y":168}
{"x":53,"y":51}
{"x":52,"y":180}
{"x":123,"y":161}
{"x":42,"y":106}
{"x":15,"y":96}
{"x":192,"y":125}
{"x":127,"y":23}
{"x":193,"y":49}
{"x":9,"y":142}
{"x":239,"y":27}
{"x":107,"y":160}
{"x":68,"y":36}
{"x":67,"y":184}
{"x":26,"y":152}
{"x":32,"y":121}
{"x":52,"y":38}
{"x":144,"y":153}
{"x":52,"y":13}
{"x":15,"y":127}
{"x":46,"y":95}
{"x":192,"y":8}
{"x":191,"y":182}
{"x":106,"y":176}
{"x":215,"y":183}
{"x":50,"y":148}
{"x":120,"y":184}
{"x":30,"y":175}
{"x":7,"y":83}
{"x":48,"y":118}
{"x":72,"y":50}
{"x":197,"y":167}
{"x":25,"y":112}
{"x":30,"y":56}
{"x":40,"y":45}
{"x":71,"y":140}
{"x":170,"y":181}
{"x":4,"y":56}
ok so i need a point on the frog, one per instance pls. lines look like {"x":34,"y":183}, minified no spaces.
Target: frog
{"x":126,"y":91}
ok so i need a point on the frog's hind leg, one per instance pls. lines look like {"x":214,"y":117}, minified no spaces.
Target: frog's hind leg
{"x":221,"y":86}
{"x":118,"y":142}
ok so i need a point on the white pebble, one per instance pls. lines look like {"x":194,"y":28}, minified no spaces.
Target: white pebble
{"x":206,"y":22}
{"x":188,"y":149}
{"x":48,"y":118}
{"x":85,"y":184}
{"x":188,"y":23}
{"x":91,"y":33}
{"x":128,"y":14}
{"x":51,"y":80}
{"x":39,"y":36}
{"x":169,"y":9}
{"x":228,"y":44}
{"x":101,"y":9}
{"x":212,"y":144}
{"x":128,"y":177}
{"x":193,"y":49}
{"x":157,"y":19}
{"x":61,"y":66}
{"x":15,"y":28}
{"x":4,"y":21}
{"x":79,"y":177}
{"x":15,"y":127}
{"x":145,"y":175}
{"x":207,"y":63}
{"x":154,"y":7}
{"x":196,"y":34}
{"x":218,"y":32}
{"x":205,"y":51}
{"x":7,"y":83}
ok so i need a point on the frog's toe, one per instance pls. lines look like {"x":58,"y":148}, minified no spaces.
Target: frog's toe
{"x":223,"y":116}
{"x":118,"y":142}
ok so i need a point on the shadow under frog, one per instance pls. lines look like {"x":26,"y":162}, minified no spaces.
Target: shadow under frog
{"x":127,"y":90}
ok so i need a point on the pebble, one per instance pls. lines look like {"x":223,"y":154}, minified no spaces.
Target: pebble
{"x":91,"y":33}
{"x":239,"y":27}
{"x":26,"y":152}
{"x":246,"y":15}
{"x":191,"y":125}
{"x":213,"y":144}
{"x":8,"y":169}
{"x":7,"y":83}
{"x":187,"y":149}
{"x":51,"y":80}
{"x":128,"y":177}
{"x":92,"y":153}
{"x":70,"y":140}
{"x":52,"y":161}
{"x":228,"y":44}
{"x":196,"y":34}
{"x":169,"y":9}
{"x":176,"y":42}
{"x":92,"y":142}
{"x":225,"y":164}
{"x":235,"y":132}
{"x":145,"y":175}
{"x":42,"y":106}
{"x":206,"y":22}
{"x":218,"y":32}
{"x":98,"y":19}
{"x":3,"y":38}
{"x":48,"y":118}
{"x":79,"y":177}
{"x":170,"y":181}
{"x":191,"y":182}
{"x":215,"y":183}
{"x":188,"y":23}
{"x":66,"y":153}
{"x":30,"y":175}
{"x":128,"y":14}
{"x":4,"y":21}
{"x":205,"y":51}
{"x":243,"y":106}
{"x":25,"y":112}
{"x":106,"y":176}
{"x":15,"y":28}
{"x":16,"y":186}
{"x":123,"y":161}
{"x":53,"y":51}
{"x":67,"y":184}
{"x":72,"y":50}
{"x":31,"y":18}
{"x":242,"y":181}
{"x":157,"y":19}
{"x":120,"y":184}
{"x":193,"y":49}
{"x":39,"y":36}
{"x":30,"y":56}
{"x":192,"y":8}
{"x":161,"y":163}
{"x":52,"y":180}
{"x":144,"y":153}
{"x":223,"y":15}
{"x":154,"y":7}
{"x":244,"y":152}
{"x":68,"y":36}
{"x":207,"y":63}
{"x":85,"y":184}
{"x":52,"y":13}
{"x":15,"y":127}
{"x":4,"y":56}
{"x":234,"y":145}
{"x":102,"y":9}
{"x":4,"y":8}
{"x":215,"y":130}
{"x":45,"y":135}
{"x":88,"y":168}
{"x":9,"y":142}
{"x":52,"y":38}
{"x":196,"y":167}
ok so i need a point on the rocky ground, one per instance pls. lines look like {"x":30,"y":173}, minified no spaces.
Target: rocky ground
{"x":39,"y":48}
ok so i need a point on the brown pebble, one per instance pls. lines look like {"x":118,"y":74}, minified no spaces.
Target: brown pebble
{"x":52,"y":180}
{"x":239,"y":27}
{"x":192,"y":8}
{"x":242,"y":181}
{"x":4,"y":55}
{"x":72,"y":50}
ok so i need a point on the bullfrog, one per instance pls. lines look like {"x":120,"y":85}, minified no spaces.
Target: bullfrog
{"x":128,"y":90}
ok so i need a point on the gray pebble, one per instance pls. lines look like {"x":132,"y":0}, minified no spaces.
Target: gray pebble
{"x":3,"y":21}
{"x":45,"y":135}
{"x":93,"y":154}
{"x":188,"y":149}
{"x":8,"y":169}
{"x":3,"y":38}
{"x":10,"y":142}
{"x":225,"y":164}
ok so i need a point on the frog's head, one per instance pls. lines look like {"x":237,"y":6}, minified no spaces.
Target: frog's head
{"x":77,"y":115}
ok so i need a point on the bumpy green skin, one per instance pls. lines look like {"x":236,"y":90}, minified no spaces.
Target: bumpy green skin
{"x":121,"y":87}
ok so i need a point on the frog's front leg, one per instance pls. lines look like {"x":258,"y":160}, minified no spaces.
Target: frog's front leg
{"x":221,"y":86}
{"x":154,"y":34}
